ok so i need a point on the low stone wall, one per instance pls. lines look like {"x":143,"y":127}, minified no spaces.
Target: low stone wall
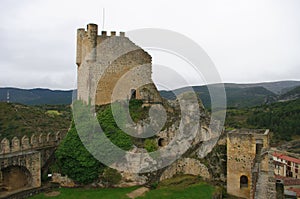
{"x":186,"y":166}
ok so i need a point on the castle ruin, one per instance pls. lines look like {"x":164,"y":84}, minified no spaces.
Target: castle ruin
{"x":250,"y":172}
{"x":107,"y":62}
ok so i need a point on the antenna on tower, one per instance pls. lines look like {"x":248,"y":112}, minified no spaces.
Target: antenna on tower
{"x":103,"y":18}
{"x":7,"y":96}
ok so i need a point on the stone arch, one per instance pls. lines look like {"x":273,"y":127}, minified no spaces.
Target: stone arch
{"x":186,"y":166}
{"x":244,"y":181}
{"x":25,"y":144}
{"x":15,"y":177}
{"x":15,"y":144}
{"x":5,"y":146}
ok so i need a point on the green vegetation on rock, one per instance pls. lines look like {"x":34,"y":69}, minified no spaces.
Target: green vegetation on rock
{"x":75,"y":161}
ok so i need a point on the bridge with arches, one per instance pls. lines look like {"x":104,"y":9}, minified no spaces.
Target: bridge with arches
{"x":23,"y":160}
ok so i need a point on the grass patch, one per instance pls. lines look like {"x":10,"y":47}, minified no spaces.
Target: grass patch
{"x":184,"y":186}
{"x":111,"y":193}
{"x":53,"y":113}
{"x":199,"y":190}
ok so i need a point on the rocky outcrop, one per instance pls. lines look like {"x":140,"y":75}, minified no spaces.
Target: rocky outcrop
{"x":64,"y":181}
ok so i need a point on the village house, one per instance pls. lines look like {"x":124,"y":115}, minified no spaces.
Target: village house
{"x":286,"y":166}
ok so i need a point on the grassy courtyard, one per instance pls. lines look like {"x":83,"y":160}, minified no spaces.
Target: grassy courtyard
{"x":179,"y":187}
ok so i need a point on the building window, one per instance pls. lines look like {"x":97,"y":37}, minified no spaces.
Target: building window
{"x":296,"y":168}
{"x":243,"y":181}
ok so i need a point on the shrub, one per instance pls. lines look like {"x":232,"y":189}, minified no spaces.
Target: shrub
{"x":150,"y":145}
{"x":111,"y":177}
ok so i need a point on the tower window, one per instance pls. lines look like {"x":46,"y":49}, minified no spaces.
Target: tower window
{"x":243,"y":181}
{"x":259,"y":146}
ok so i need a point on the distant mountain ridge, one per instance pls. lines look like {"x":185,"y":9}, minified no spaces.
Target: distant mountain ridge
{"x":278,"y":87}
{"x":37,"y":96}
{"x":238,"y":95}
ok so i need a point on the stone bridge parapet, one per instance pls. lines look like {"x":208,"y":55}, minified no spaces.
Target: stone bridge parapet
{"x":34,"y":142}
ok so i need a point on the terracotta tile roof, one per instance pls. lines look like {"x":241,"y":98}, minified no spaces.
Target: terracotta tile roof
{"x":296,"y":190}
{"x":287,"y":158}
{"x":288,"y":181}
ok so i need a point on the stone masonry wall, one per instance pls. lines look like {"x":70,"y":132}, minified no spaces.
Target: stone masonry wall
{"x":35,"y":142}
{"x":244,"y":149}
{"x":240,"y":154}
{"x":30,"y":160}
{"x":103,"y":60}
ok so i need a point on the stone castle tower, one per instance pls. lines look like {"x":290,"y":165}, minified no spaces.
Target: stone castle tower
{"x":249,"y":171}
{"x":111,"y":67}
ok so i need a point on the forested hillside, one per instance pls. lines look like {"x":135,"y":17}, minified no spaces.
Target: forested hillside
{"x":282,"y":118}
{"x":19,"y":120}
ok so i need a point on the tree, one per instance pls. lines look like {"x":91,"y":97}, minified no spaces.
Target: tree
{"x":75,"y":161}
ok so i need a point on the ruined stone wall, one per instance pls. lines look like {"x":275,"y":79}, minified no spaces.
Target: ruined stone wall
{"x":244,"y":150}
{"x":240,"y":155}
{"x":103,"y":60}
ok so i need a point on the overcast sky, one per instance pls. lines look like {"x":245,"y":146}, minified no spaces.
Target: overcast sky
{"x":249,"y":41}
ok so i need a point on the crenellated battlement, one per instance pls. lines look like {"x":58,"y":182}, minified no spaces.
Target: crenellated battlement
{"x":87,"y":40}
{"x":103,"y":59}
{"x":35,"y":141}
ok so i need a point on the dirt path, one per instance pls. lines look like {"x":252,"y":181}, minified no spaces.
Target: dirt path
{"x":138,"y":192}
{"x":52,"y":193}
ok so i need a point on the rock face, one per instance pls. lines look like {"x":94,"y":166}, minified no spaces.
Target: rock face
{"x":182,"y":149}
{"x":63,"y":180}
{"x":186,"y":166}
{"x":250,"y":170}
